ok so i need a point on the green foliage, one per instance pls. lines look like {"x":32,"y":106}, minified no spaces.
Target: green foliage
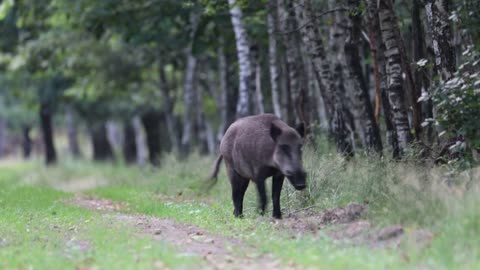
{"x":457,"y":103}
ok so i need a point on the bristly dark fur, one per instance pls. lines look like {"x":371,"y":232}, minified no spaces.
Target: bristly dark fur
{"x":255,"y":148}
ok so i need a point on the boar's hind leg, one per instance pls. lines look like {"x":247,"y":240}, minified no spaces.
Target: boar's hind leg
{"x":277,"y":183}
{"x":262,"y":196}
{"x":239,"y":186}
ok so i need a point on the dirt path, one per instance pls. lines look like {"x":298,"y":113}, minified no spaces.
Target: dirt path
{"x":343,"y":225}
{"x":217,"y":251}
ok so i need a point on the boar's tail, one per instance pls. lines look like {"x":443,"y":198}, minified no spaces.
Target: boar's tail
{"x":216,"y":168}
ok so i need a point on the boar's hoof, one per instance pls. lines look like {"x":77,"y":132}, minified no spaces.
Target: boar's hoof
{"x":277,"y":216}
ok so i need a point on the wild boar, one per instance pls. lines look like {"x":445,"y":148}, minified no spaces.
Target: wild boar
{"x":255,"y":148}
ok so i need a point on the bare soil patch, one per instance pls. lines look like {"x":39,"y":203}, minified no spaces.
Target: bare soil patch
{"x":345,"y":225}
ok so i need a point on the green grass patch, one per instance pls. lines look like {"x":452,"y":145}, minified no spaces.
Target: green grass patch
{"x":38,"y":230}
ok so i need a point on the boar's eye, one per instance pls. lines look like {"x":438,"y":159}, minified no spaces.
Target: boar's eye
{"x":285,"y":149}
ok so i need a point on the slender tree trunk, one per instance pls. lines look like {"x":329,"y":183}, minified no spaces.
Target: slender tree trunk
{"x":246,"y":69}
{"x":272,"y":19}
{"x":189,"y":105}
{"x":47,"y":132}
{"x":26,"y":141}
{"x":141,"y":145}
{"x":342,"y":77}
{"x":364,"y":107}
{"x":332,"y":96}
{"x":189,"y":93}
{"x":151,"y":124}
{"x":437,"y":14}
{"x":258,"y":102}
{"x":380,"y":75}
{"x":223,"y":100}
{"x":420,"y":78}
{"x":287,"y":103}
{"x":341,"y":131}
{"x":296,"y":69}
{"x":102,"y":149}
{"x":129,"y":146}
{"x":394,"y":69}
{"x":73,"y":145}
{"x":314,"y":46}
{"x":168,"y":103}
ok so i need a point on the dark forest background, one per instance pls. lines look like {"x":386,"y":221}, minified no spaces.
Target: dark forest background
{"x":397,"y":79}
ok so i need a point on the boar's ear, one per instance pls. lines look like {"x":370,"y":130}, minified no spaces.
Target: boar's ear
{"x":300,"y":128}
{"x":275,"y":131}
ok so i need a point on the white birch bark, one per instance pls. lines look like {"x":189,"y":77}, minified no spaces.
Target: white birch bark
{"x":272,"y":19}
{"x":246,"y":69}
{"x":437,"y":15}
{"x":394,"y":71}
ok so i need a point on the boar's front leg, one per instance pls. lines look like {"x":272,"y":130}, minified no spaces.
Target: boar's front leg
{"x":239,"y":186}
{"x":262,"y":196}
{"x":277,"y":183}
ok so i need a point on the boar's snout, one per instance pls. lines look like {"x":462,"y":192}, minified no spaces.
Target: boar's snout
{"x":298,"y":180}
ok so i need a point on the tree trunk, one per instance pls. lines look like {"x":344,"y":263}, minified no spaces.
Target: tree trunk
{"x":364,"y":107}
{"x":168,"y":103}
{"x":380,"y":75}
{"x":296,"y":69}
{"x":287,"y":103}
{"x":314,"y":46}
{"x":394,"y":71}
{"x":341,"y":131}
{"x":26,"y":141}
{"x":223,"y":100}
{"x":73,"y":145}
{"x":129,"y":146}
{"x":332,"y":96}
{"x":102,"y":149}
{"x":47,"y":132}
{"x":189,"y":93}
{"x":189,"y":105}
{"x":246,"y":69}
{"x":151,"y":124}
{"x":437,"y":14}
{"x":141,"y":146}
{"x":420,"y":78}
{"x":259,"y":109}
{"x":272,"y":19}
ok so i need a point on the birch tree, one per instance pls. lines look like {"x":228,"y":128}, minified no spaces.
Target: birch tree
{"x":437,"y":15}
{"x":380,"y":74}
{"x":394,"y":71}
{"x":189,"y":90}
{"x":332,"y":96}
{"x":372,"y":139}
{"x":246,"y":70}
{"x":272,"y":21}
{"x":296,"y":71}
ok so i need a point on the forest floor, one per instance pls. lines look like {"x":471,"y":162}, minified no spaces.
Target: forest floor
{"x":88,"y":216}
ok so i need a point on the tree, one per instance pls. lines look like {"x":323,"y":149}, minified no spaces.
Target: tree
{"x":364,"y":107}
{"x":246,"y":69}
{"x":380,"y":75}
{"x":272,"y":22}
{"x":394,"y":69}
{"x":437,"y":14}
{"x":332,"y":96}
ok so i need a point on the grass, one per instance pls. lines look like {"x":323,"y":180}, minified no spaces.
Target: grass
{"x":38,"y":230}
{"x":397,"y":193}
